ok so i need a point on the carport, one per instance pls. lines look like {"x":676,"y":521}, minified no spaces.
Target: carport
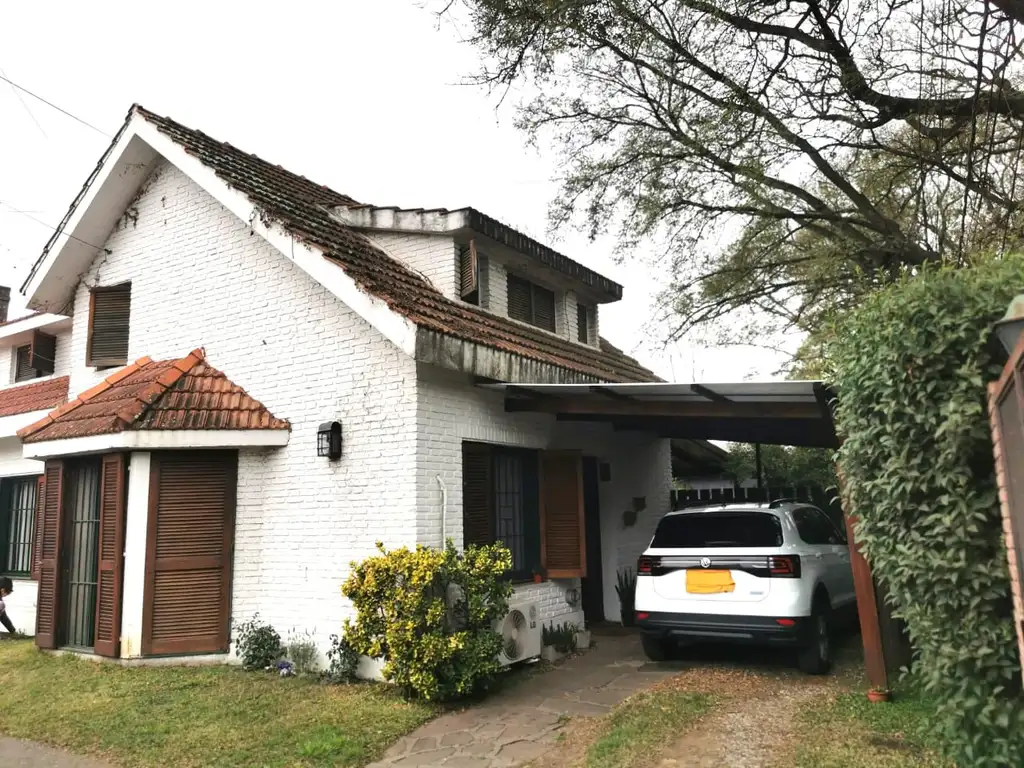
{"x":797,"y":413}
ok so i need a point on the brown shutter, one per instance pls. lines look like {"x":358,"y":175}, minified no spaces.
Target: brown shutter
{"x":43,"y":351}
{"x":37,"y":528}
{"x":562,"y":538}
{"x":519,"y":299}
{"x":48,"y":597}
{"x":109,"y":315}
{"x":477,"y":494}
{"x":23,"y":370}
{"x":470,"y":269}
{"x":543,"y":308}
{"x":187,"y":601}
{"x":110,"y":579}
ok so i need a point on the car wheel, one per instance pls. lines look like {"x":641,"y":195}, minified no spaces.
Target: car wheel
{"x":656,"y":648}
{"x":816,"y":656}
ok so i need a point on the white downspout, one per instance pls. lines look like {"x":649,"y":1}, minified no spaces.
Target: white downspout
{"x":444,"y":510}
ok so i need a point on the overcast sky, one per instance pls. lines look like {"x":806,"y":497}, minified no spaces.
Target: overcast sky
{"x":365,"y":96}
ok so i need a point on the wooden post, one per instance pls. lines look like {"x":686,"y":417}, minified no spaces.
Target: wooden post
{"x":867,"y":599}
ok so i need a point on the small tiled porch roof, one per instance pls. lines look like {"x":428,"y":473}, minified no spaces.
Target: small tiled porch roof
{"x":37,"y":396}
{"x":182,"y":394}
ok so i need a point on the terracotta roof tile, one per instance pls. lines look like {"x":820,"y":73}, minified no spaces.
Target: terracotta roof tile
{"x":186,"y":393}
{"x":36,"y":396}
{"x":304,"y":208}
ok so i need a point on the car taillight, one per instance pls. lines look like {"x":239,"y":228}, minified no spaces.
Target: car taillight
{"x":646,"y":564}
{"x":786,"y":622}
{"x":784,"y":566}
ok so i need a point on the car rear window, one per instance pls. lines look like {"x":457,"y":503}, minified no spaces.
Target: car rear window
{"x":718,"y":529}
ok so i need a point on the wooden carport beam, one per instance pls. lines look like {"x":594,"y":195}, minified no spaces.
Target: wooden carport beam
{"x":582,"y":406}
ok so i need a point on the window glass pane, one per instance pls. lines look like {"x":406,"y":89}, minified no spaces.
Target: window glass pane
{"x":696,"y":530}
{"x":508,"y":480}
{"x":20,"y":513}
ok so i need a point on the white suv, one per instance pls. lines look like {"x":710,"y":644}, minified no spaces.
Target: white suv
{"x":776,"y":573}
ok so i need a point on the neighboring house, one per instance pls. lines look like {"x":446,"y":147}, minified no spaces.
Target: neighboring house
{"x":212,"y":311}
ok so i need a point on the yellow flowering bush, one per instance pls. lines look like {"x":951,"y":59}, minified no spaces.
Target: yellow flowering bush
{"x":430,"y":615}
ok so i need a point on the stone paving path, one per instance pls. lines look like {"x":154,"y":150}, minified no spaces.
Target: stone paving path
{"x":15,"y":753}
{"x":520,"y":724}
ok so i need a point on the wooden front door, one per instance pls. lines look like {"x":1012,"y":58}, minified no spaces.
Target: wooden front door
{"x":189,"y":550}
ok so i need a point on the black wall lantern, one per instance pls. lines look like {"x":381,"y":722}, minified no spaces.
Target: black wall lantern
{"x":328,"y":440}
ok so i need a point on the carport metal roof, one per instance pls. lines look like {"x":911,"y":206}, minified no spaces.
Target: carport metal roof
{"x":779,"y":412}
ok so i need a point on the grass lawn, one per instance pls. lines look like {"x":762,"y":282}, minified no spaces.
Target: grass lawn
{"x":642,"y":724}
{"x":201,"y":716}
{"x":848,"y":731}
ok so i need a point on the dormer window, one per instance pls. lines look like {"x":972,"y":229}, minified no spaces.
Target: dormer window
{"x":531,"y":303}
{"x":109,"y":315}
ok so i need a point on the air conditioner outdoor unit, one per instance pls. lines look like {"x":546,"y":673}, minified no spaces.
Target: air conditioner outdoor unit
{"x":520,"y":632}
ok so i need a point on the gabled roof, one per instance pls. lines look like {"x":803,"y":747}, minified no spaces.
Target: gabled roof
{"x":183,"y":394}
{"x":306,"y":211}
{"x":37,"y":396}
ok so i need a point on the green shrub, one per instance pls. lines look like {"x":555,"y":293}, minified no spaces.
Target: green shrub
{"x":342,"y":661}
{"x":258,"y":644}
{"x":430,"y":613}
{"x":911,"y":365}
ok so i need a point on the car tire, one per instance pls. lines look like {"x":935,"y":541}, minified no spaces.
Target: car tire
{"x":815,"y":657}
{"x":656,"y":648}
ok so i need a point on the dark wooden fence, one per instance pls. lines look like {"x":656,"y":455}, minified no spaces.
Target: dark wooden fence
{"x":826,"y":500}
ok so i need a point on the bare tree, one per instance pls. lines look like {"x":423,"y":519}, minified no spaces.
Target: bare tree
{"x":789,"y":154}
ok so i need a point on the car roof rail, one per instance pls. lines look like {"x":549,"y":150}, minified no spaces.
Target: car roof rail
{"x":775,"y":503}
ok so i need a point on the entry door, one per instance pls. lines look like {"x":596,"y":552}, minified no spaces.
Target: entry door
{"x":190,"y":535}
{"x":80,"y":555}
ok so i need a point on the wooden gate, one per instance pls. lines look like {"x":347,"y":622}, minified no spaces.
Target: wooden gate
{"x":1006,"y":414}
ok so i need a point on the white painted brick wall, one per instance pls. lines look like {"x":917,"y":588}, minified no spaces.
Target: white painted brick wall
{"x":433,"y":256}
{"x":200,"y":279}
{"x":450,"y":409}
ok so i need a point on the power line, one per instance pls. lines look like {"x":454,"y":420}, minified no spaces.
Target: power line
{"x":48,"y":226}
{"x":54,"y":106}
{"x":17,"y":93}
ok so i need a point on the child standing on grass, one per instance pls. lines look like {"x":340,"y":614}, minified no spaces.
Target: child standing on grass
{"x":6,"y":587}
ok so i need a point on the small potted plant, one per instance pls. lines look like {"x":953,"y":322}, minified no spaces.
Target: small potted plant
{"x":877,"y":694}
{"x":538,"y":575}
{"x":625,"y":587}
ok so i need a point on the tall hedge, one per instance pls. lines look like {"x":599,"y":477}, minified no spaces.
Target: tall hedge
{"x":911,"y":365}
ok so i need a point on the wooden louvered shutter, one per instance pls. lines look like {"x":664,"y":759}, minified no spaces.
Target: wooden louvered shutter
{"x":519,"y":299}
{"x":109,"y":316}
{"x":562,"y":534}
{"x":477,"y":494}
{"x":110,"y":580}
{"x":37,"y":528}
{"x":190,"y":535}
{"x":543,"y":308}
{"x":470,"y":272}
{"x":23,"y":370}
{"x":48,"y":596}
{"x":43,"y":351}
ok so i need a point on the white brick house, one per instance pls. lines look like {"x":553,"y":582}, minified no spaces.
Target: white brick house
{"x":210,"y":311}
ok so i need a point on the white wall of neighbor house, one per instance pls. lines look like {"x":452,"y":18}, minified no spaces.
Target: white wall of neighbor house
{"x":21,"y":604}
{"x":201,"y":279}
{"x":451,"y":410}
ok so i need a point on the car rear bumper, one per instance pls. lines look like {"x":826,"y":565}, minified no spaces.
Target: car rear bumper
{"x":712,"y":627}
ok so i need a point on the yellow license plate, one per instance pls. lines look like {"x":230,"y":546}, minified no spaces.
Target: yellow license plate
{"x":709,"y":582}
